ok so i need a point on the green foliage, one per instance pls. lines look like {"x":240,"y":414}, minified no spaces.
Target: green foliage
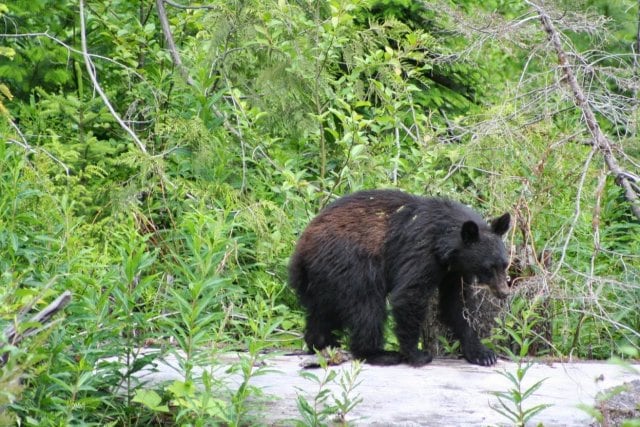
{"x":150,"y":399}
{"x":325,"y":408}
{"x":520,"y":326}
{"x":512,"y":401}
{"x":182,"y":252}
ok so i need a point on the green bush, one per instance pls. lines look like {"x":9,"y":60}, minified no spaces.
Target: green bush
{"x":182,"y":251}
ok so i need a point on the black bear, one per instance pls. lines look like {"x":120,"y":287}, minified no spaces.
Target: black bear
{"x":375,"y":245}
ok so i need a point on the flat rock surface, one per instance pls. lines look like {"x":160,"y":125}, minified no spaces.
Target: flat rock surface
{"x":446,"y":392}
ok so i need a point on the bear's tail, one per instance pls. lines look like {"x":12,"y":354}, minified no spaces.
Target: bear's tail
{"x":298,"y":275}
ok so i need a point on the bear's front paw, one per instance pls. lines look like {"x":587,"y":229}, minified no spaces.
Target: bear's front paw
{"x":481,"y":356}
{"x":418,"y":358}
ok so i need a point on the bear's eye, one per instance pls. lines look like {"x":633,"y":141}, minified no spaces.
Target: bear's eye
{"x":500,"y":268}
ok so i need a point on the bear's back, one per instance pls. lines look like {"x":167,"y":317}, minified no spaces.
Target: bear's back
{"x":364,"y":220}
{"x":360,"y":219}
{"x":358,"y":210}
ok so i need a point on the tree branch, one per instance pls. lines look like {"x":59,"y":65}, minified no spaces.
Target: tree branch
{"x":13,"y":336}
{"x":600,"y":140}
{"x":175,"y":56}
{"x":25,"y":145}
{"x":182,"y":6}
{"x":92,"y":74}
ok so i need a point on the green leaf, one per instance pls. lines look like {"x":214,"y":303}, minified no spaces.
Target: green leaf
{"x":531,"y":412}
{"x":7,"y":52}
{"x":181,"y":389}
{"x":533,"y":388}
{"x":357,"y":150}
{"x":150,"y":399}
{"x":505,"y":410}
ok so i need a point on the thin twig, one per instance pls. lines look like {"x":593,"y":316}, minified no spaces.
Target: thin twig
{"x":25,"y":145}
{"x":577,"y":211}
{"x":396,"y":162}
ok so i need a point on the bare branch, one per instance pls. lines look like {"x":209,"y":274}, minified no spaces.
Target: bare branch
{"x":175,"y":56}
{"x":182,"y":6}
{"x":636,"y":69}
{"x":96,"y":84}
{"x":600,"y":140}
{"x":166,"y":30}
{"x":25,"y":145}
{"x":577,"y":211}
{"x":13,"y":336}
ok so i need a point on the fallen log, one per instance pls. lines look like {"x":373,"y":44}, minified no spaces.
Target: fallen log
{"x":13,"y":335}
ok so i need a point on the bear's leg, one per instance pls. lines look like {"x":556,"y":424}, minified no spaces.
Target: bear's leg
{"x":367,"y":334}
{"x":409,"y":310}
{"x":320,"y":331}
{"x":452,"y":314}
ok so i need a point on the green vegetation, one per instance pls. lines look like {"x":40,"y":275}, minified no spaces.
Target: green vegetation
{"x":165,"y":190}
{"x":325,"y":408}
{"x":520,"y":326}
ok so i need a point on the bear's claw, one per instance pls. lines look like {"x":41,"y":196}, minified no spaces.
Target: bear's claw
{"x":482,"y":357}
{"x":419,"y":359}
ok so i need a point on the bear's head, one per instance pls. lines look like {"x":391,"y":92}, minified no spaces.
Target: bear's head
{"x":482,"y":258}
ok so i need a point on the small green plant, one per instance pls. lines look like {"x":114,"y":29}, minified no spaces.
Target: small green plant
{"x":12,"y":375}
{"x":511,"y":402}
{"x":205,"y":399}
{"x":202,"y":305}
{"x":250,"y":365}
{"x":520,"y":327}
{"x":449,"y":346}
{"x":325,"y":406}
{"x":348,"y":381}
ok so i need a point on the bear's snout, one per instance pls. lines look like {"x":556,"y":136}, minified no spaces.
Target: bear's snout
{"x":501,"y":289}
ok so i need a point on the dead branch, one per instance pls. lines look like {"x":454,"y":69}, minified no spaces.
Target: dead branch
{"x":182,"y":6}
{"x":28,"y":148}
{"x":166,"y":30}
{"x":94,"y":79}
{"x":600,"y":140}
{"x":12,"y":335}
{"x":636,"y":60}
{"x":184,"y":72}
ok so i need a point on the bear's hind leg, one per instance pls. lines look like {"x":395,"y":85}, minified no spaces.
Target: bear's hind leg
{"x":320,"y":331}
{"x":367,"y":335}
{"x":382,"y":358}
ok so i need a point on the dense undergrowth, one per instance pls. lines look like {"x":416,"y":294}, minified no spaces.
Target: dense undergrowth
{"x":181,"y":243}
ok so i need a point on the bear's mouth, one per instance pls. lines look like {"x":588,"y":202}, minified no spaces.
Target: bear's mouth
{"x":499,"y":290}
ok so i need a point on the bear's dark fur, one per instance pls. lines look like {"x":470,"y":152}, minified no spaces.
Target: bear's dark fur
{"x":376,"y":245}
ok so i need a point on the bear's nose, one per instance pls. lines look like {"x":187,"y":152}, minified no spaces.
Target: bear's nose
{"x":501,"y":290}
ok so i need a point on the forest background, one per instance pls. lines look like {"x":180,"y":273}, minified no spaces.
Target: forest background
{"x":158,"y":160}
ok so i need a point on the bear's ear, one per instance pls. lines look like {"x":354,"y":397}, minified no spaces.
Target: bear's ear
{"x":470,"y":232}
{"x":501,"y":225}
